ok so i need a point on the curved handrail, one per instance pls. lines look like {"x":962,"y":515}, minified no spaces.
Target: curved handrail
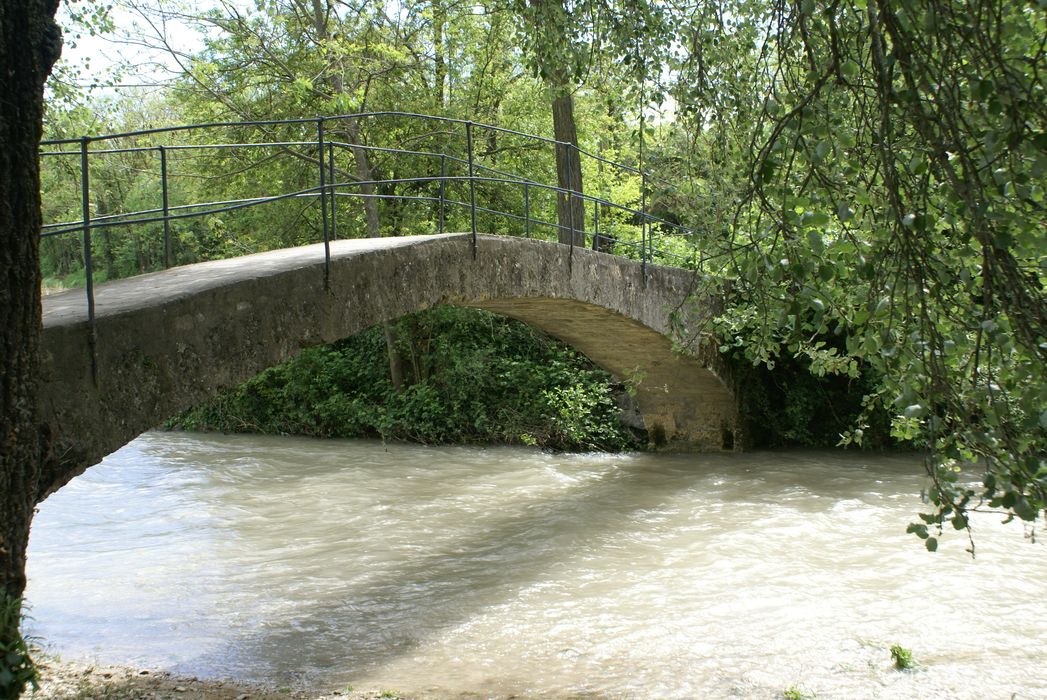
{"x":330,"y":186}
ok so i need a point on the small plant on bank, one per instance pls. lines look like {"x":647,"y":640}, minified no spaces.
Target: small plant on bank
{"x":17,"y":670}
{"x":903,"y":659}
{"x":794,"y":693}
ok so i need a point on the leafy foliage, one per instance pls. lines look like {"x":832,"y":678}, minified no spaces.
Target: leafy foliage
{"x":792,"y":404}
{"x":895,"y":206}
{"x":795,"y":693}
{"x":472,"y":376}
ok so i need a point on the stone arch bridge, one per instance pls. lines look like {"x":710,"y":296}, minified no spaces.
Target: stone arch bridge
{"x":169,"y":340}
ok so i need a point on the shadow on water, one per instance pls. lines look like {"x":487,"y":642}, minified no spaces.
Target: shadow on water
{"x":382,"y":615}
{"x":387,"y":615}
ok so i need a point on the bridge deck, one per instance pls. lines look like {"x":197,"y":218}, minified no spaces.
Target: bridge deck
{"x":143,"y":291}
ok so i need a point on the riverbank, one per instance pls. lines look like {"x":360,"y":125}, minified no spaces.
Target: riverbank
{"x":62,"y":679}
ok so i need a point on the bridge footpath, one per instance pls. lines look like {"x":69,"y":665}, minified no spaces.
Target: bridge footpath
{"x":165,"y":341}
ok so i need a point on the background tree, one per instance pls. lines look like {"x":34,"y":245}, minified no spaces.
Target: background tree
{"x":561,"y":40}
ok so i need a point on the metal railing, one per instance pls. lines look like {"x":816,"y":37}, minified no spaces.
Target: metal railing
{"x":318,"y":145}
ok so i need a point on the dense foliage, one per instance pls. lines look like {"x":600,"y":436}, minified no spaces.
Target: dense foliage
{"x":791,"y":406}
{"x":469,"y":376}
{"x":894,"y":218}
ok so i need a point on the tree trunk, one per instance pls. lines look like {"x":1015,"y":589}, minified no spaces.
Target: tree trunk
{"x":364,"y":174}
{"x":29,"y":45}
{"x":362,"y":165}
{"x":570,"y":211}
{"x":396,"y":367}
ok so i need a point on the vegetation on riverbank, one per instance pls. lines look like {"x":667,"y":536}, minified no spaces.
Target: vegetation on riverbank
{"x":789,"y":405}
{"x":17,"y":670}
{"x":464,"y":375}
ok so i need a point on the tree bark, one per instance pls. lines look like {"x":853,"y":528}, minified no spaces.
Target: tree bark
{"x":30,"y":42}
{"x":362,"y":164}
{"x":570,"y":210}
{"x":396,"y":366}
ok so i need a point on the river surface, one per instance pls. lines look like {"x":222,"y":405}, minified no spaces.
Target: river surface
{"x":503,"y":571}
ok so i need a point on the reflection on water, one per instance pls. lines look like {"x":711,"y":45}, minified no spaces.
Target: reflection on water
{"x":511,"y":571}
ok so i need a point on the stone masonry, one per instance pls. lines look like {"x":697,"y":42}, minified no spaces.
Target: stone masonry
{"x":168,"y":340}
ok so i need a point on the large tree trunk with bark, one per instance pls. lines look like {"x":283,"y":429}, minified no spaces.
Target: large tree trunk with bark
{"x":29,"y":45}
{"x":570,"y":210}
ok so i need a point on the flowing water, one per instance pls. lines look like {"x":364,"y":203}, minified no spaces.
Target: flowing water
{"x":504,"y":571}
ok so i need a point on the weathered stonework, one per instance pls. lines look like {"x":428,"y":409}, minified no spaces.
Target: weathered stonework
{"x":170,"y":340}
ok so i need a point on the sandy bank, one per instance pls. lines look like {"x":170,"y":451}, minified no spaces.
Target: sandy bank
{"x":62,"y":679}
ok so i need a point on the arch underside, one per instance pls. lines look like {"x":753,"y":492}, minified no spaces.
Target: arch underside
{"x":684,"y":404}
{"x":169,"y":340}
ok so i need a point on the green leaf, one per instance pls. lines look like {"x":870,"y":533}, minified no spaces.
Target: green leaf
{"x":821,"y":150}
{"x":1024,"y":510}
{"x":931,"y":544}
{"x":918,"y":529}
{"x":814,"y":239}
{"x":914,"y":411}
{"x":816,"y":218}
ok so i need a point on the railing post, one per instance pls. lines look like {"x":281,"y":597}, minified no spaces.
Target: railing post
{"x":472,"y":182}
{"x":571,"y":205}
{"x":166,"y":207}
{"x":323,"y":199}
{"x":334,"y":194}
{"x":643,"y":225}
{"x":527,"y":209}
{"x":596,"y":225}
{"x":571,"y":199}
{"x":443,"y":189}
{"x":85,"y":207}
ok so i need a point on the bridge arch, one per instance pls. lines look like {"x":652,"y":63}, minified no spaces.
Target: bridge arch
{"x":170,"y":340}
